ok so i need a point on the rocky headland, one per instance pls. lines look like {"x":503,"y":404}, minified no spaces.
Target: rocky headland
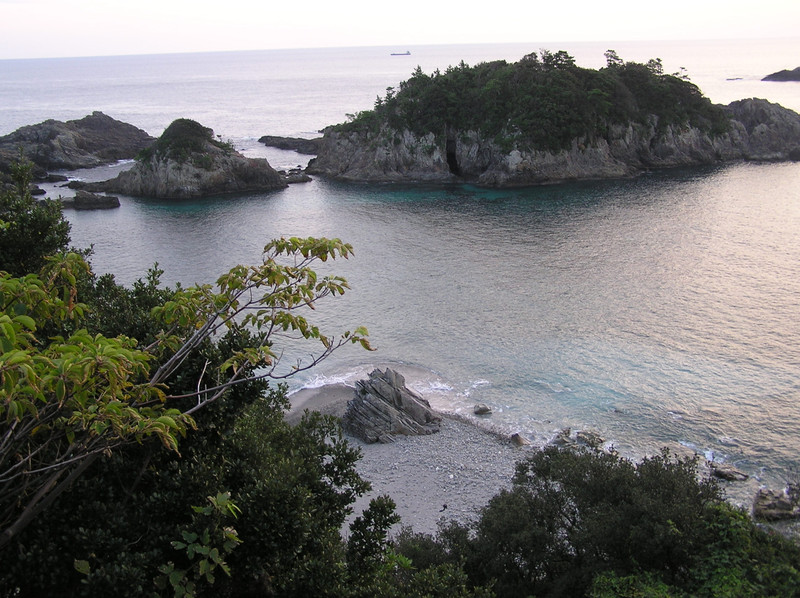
{"x":758,"y":130}
{"x":545,"y":120}
{"x":94,"y":140}
{"x":188,"y":162}
{"x":784,"y":75}
{"x":300,"y":145}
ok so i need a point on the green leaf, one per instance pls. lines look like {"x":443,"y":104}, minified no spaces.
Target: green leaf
{"x":82,"y":567}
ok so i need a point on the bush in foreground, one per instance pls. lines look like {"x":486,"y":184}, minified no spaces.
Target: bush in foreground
{"x":586,"y":523}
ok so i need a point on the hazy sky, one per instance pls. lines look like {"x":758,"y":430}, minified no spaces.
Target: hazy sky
{"x":46,"y":28}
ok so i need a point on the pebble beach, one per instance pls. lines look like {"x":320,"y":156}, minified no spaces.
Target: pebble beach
{"x":445,"y":476}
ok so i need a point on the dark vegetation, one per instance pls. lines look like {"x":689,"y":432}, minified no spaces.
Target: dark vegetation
{"x":586,"y":523}
{"x":239,"y":503}
{"x":544,"y":101}
{"x":182,"y":140}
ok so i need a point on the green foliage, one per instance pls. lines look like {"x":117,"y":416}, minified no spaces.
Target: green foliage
{"x":206,"y":550}
{"x":185,"y":139}
{"x":366,"y":548}
{"x":29,"y":230}
{"x":579,"y":523}
{"x":544,"y":101}
{"x":76,"y":397}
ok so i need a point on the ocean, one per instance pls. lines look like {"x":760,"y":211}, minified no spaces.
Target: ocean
{"x":662,"y":310}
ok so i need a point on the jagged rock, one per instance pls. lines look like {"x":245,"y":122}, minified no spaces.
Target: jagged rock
{"x":784,"y":75}
{"x":187,"y":162}
{"x":295,"y":175}
{"x":589,"y":438}
{"x":296,"y":144}
{"x":562,"y":438}
{"x":384,"y":407}
{"x":727,"y":472}
{"x":519,"y":440}
{"x":84,"y":200}
{"x":94,"y":140}
{"x":774,"y":506}
{"x":759,"y":130}
{"x":482,"y":409}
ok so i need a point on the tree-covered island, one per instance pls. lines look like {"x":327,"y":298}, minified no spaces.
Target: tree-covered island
{"x":545,"y":119}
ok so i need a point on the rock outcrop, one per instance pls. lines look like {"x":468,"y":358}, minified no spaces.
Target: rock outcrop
{"x":94,"y":140}
{"x":727,"y":472}
{"x":84,"y":200}
{"x":383,"y":407}
{"x":759,"y":130}
{"x":187,"y":162}
{"x":296,"y":144}
{"x":784,"y":75}
{"x":771,"y":505}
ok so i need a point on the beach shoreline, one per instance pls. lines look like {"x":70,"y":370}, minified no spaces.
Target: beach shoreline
{"x":449,"y":475}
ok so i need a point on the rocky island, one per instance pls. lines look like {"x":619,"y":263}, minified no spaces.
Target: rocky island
{"x":544,"y":119}
{"x":188,"y":162}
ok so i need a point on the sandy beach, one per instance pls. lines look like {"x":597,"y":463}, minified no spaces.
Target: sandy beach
{"x":447,"y":475}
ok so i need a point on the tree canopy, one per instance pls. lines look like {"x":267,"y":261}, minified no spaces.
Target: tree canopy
{"x":543,"y":101}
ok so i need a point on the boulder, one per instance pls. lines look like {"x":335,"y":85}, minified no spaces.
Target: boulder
{"x":188,"y":162}
{"x":770,"y":505}
{"x":589,"y":438}
{"x":384,"y":407}
{"x":482,"y":409}
{"x":562,"y":437}
{"x":519,"y":440}
{"x":726,"y":472}
{"x":94,"y":140}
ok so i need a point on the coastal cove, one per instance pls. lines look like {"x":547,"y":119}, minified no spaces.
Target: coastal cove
{"x":659,"y":310}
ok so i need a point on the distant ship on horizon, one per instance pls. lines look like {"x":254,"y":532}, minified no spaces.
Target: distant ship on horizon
{"x":406,"y":53}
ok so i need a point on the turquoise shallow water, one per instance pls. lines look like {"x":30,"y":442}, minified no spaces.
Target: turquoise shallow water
{"x":659,"y":310}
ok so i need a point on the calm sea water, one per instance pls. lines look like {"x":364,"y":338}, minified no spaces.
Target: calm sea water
{"x":662,"y":310}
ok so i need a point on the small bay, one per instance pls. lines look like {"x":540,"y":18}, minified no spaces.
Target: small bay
{"x":660,"y":310}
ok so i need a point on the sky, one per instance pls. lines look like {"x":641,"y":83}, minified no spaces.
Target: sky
{"x":61,"y":28}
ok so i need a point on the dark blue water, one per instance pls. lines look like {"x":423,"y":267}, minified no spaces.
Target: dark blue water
{"x":663,"y":310}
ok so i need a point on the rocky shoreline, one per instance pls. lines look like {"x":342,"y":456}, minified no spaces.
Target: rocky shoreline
{"x":453,"y":473}
{"x":449,"y":475}
{"x":759,"y":131}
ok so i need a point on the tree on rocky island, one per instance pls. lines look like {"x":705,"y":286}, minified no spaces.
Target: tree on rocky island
{"x":187,"y":161}
{"x":543,"y":101}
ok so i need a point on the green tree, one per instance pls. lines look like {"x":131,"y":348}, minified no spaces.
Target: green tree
{"x":76,"y":398}
{"x":582,"y":522}
{"x":29,"y":230}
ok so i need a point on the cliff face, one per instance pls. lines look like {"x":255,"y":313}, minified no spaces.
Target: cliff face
{"x":759,"y":130}
{"x":187,"y":162}
{"x":171,"y":179}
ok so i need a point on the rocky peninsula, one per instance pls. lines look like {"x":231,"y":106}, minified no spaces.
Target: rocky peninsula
{"x":94,"y":140}
{"x":188,"y":162}
{"x":544,"y":119}
{"x":784,"y":75}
